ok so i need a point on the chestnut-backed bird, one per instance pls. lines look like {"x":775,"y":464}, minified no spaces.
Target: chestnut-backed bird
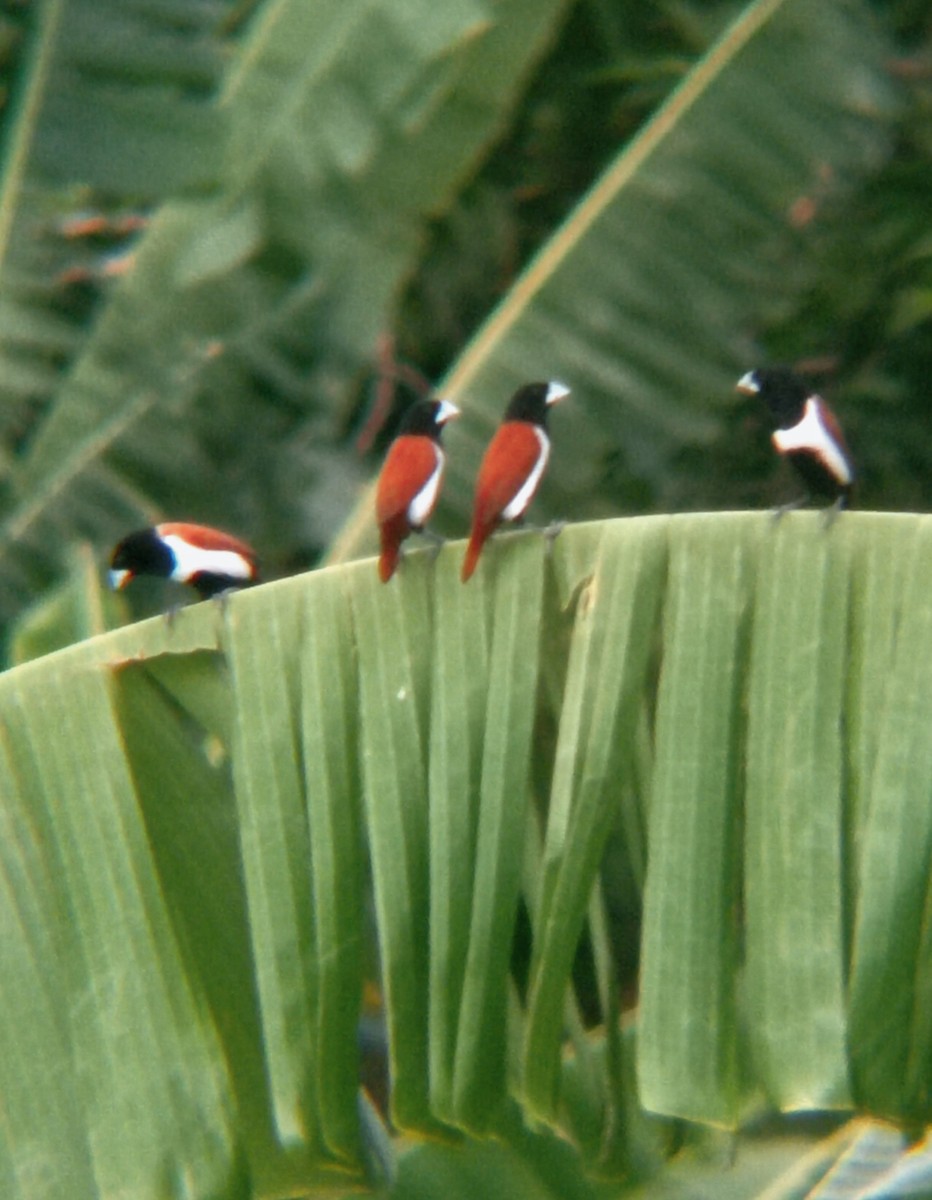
{"x":409,"y":482}
{"x":806,"y":433}
{"x":513,"y":465}
{"x":210,"y":561}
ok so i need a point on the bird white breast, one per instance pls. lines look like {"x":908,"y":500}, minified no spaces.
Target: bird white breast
{"x":522,"y":498}
{"x":810,"y":435}
{"x":189,"y":560}
{"x":423,"y":503}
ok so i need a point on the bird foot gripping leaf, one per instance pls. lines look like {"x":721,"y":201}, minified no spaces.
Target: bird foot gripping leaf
{"x":831,"y":514}
{"x":437,"y":542}
{"x":791,"y":506}
{"x":552,"y":531}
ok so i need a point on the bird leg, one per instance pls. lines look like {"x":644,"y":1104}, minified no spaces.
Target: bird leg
{"x":223,"y":599}
{"x":831,"y":514}
{"x":551,"y":532}
{"x":790,"y":506}
{"x":437,"y":541}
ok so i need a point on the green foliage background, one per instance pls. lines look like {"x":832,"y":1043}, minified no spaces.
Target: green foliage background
{"x":258,"y":297}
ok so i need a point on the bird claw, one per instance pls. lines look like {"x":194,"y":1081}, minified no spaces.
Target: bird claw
{"x":791,"y":506}
{"x":222,"y":599}
{"x":437,"y":542}
{"x":552,"y":532}
{"x":831,"y":514}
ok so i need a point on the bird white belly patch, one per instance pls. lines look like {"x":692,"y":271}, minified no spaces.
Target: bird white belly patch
{"x":189,"y":560}
{"x":522,"y":498}
{"x":422,"y":505}
{"x":811,"y":435}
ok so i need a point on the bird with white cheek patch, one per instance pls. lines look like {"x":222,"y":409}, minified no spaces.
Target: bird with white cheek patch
{"x":210,"y":561}
{"x":513,"y":465}
{"x":807,"y":434}
{"x":409,"y":482}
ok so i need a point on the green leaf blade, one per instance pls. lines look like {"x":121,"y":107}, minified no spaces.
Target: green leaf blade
{"x":480,"y":1071}
{"x":457,"y":727}
{"x":261,"y":643}
{"x":393,"y":695}
{"x":328,"y":705}
{"x":687,"y":1048}
{"x":606,"y":679}
{"x":116,"y":953}
{"x":794,"y":826}
{"x":891,"y":974}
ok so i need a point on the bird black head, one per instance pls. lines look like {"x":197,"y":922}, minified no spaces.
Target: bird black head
{"x":427,"y":418}
{"x":531,"y":402}
{"x":140,"y":553}
{"x":781,"y":389}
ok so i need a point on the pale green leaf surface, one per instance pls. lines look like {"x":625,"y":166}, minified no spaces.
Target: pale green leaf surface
{"x":192,"y":826}
{"x":881,"y":567}
{"x":264,"y":646}
{"x":202,"y":695}
{"x":795,"y":943}
{"x":891,"y":975}
{"x":331,"y":779}
{"x":613,"y":635}
{"x":687,"y":1045}
{"x":457,"y":727}
{"x":393,"y":699}
{"x":481,"y":1046}
{"x":629,"y":1141}
{"x":127,"y":1008}
{"x":34,"y":1029}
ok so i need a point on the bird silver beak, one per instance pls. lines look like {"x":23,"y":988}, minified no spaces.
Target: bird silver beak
{"x":119,"y":579}
{"x":748,"y":384}
{"x":556,"y":391}
{"x":447,"y":412}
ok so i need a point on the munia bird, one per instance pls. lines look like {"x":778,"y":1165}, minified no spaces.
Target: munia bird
{"x":210,"y":561}
{"x":409,"y":482}
{"x":513,"y":465}
{"x":807,"y":433}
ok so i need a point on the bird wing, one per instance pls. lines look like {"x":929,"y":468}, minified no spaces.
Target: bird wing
{"x":410,"y":462}
{"x":830,"y":423}
{"x":207,"y":538}
{"x":509,"y":461}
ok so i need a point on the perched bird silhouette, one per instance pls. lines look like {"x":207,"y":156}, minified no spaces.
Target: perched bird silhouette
{"x":807,"y":433}
{"x":210,"y":561}
{"x":513,"y":465}
{"x":409,"y":482}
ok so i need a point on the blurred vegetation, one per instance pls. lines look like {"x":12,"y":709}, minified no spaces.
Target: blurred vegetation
{"x":854,"y":303}
{"x":855,"y":309}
